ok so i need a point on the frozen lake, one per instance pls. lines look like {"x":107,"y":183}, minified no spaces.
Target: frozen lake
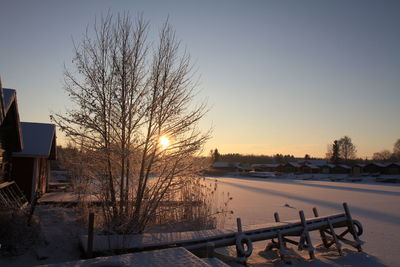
{"x":377,"y":206}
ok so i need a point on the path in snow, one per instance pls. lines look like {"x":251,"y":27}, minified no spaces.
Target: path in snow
{"x":376,"y":206}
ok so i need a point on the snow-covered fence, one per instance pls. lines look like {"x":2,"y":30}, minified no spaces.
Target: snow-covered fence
{"x":278,"y":232}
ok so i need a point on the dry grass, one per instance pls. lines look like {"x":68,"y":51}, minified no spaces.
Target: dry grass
{"x":196,"y":206}
{"x":193,"y":205}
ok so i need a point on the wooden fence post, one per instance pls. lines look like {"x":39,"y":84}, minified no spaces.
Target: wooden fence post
{"x":305,"y":237}
{"x":351,"y":227}
{"x":321,"y":231}
{"x":276,"y":215}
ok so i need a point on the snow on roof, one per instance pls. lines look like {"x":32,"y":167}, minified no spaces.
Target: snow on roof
{"x":329,"y":165}
{"x":294,"y":164}
{"x":362,"y":165}
{"x":381,"y":164}
{"x":316,"y":162}
{"x":38,"y":139}
{"x":8,"y":98}
{"x":344,"y":166}
{"x":312,"y":166}
{"x":220,"y":164}
{"x":266,"y":165}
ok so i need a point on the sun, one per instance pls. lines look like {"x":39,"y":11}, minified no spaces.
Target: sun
{"x":164,"y":142}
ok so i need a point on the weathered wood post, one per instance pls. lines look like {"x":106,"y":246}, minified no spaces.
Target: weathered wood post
{"x":305,"y":237}
{"x":281,"y":239}
{"x":276,"y":215}
{"x":210,"y":249}
{"x":239,"y":225}
{"x":351,"y":227}
{"x":242,"y":252}
{"x":89,"y":252}
{"x":335,"y":238}
{"x":239,"y":229}
{"x":321,"y":231}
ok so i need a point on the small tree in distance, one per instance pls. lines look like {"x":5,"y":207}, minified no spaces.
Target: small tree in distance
{"x":383,"y":155}
{"x":215,"y":156}
{"x":396,"y":150}
{"x":335,"y":152}
{"x":347,"y":149}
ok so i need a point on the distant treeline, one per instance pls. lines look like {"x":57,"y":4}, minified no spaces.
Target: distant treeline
{"x":248,"y":159}
{"x":255,"y":159}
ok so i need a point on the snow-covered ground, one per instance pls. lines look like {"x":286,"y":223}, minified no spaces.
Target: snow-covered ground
{"x":254,"y":200}
{"x":59,"y":242}
{"x":376,"y":205}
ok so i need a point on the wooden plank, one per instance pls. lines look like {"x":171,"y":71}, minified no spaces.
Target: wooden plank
{"x":147,"y":240}
{"x":5,"y":184}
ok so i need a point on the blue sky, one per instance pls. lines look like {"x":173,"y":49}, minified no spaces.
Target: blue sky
{"x":279,"y":76}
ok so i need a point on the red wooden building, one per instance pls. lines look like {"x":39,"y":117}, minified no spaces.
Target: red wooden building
{"x":31,"y":166}
{"x":25,"y":149}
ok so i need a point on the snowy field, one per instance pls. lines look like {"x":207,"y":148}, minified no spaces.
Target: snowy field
{"x":376,"y":205}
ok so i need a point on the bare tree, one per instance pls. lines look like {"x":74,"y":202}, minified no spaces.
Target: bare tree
{"x":396,"y":150}
{"x":347,"y":149}
{"x":134,"y":117}
{"x":383,"y":155}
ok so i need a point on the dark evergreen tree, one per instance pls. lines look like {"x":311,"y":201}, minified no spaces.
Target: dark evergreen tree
{"x":335,"y":158}
{"x":215,"y":156}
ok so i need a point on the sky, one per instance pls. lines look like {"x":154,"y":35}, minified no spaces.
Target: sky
{"x":279,"y":76}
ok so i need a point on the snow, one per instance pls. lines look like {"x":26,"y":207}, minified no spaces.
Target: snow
{"x":66,"y":198}
{"x":254,"y":201}
{"x":316,"y":162}
{"x":163,"y":257}
{"x":103,"y":243}
{"x":374,"y":205}
{"x":267,"y":165}
{"x":38,"y":139}
{"x":294,"y":164}
{"x":59,"y":242}
{"x":221,"y":164}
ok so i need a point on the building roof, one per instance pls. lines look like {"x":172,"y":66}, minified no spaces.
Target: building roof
{"x":329,"y":165}
{"x":315,"y":162}
{"x":220,"y":164}
{"x":362,"y":165}
{"x":9,"y":116}
{"x":344,"y":166}
{"x":312,"y":166}
{"x":294,"y":164}
{"x":8,"y":98}
{"x":39,"y":140}
{"x":266,"y":165}
{"x":393,"y":163}
{"x":380,"y":164}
